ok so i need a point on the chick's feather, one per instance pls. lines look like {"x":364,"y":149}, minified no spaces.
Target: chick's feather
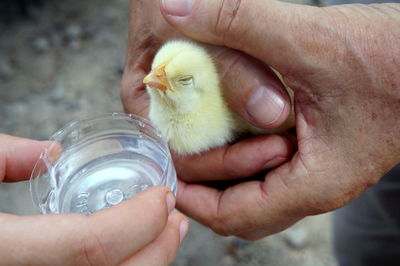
{"x":186,"y":102}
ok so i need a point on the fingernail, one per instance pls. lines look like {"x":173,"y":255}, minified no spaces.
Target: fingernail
{"x":183,"y":229}
{"x":178,"y":8}
{"x":265,"y":105}
{"x":170,"y":201}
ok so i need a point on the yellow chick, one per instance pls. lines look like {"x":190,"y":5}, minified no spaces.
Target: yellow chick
{"x":186,"y":102}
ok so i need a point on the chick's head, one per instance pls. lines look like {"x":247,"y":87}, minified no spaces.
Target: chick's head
{"x":182,"y":75}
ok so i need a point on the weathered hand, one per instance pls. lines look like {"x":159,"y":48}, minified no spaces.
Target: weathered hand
{"x":343,"y":64}
{"x":251,"y":89}
{"x":140,"y":231}
{"x":240,"y":74}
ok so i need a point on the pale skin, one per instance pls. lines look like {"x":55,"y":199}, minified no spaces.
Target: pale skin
{"x":140,"y":231}
{"x":342,"y":63}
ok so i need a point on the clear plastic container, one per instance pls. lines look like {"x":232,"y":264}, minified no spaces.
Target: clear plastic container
{"x":97,"y":163}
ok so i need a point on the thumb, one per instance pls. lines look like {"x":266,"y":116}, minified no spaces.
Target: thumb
{"x":269,"y":30}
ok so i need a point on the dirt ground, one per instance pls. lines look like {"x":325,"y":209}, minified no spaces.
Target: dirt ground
{"x":64,"y":62}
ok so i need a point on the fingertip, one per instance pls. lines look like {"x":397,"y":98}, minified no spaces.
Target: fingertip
{"x":178,"y":8}
{"x":169,"y":197}
{"x":163,"y":193}
{"x":180,"y":221}
{"x":183,"y":229}
{"x":177,"y":227}
{"x":252,"y":89}
{"x":137,"y":222}
{"x":267,"y":107}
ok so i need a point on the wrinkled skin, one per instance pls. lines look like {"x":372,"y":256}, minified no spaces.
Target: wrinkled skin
{"x":342,"y":63}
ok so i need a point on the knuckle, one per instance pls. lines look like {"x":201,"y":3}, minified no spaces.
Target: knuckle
{"x":227,"y":13}
{"x":219,"y":225}
{"x":234,"y":64}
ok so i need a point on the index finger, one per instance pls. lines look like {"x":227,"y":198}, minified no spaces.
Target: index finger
{"x":239,"y":160}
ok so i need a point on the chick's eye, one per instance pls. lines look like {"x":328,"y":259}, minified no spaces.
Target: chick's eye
{"x":186,"y":81}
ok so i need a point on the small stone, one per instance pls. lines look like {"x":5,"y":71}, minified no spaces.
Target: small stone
{"x":73,"y":31}
{"x":41,"y":44}
{"x":57,"y":92}
{"x":296,"y":237}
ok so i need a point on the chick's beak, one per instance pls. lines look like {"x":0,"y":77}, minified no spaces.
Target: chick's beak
{"x":157,"y":79}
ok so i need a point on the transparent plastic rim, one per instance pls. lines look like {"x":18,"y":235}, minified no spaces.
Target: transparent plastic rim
{"x":129,"y":117}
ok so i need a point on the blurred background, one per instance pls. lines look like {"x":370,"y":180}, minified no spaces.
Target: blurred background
{"x":62,"y":60}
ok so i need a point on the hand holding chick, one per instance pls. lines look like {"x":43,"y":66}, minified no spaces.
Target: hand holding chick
{"x":186,"y":101}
